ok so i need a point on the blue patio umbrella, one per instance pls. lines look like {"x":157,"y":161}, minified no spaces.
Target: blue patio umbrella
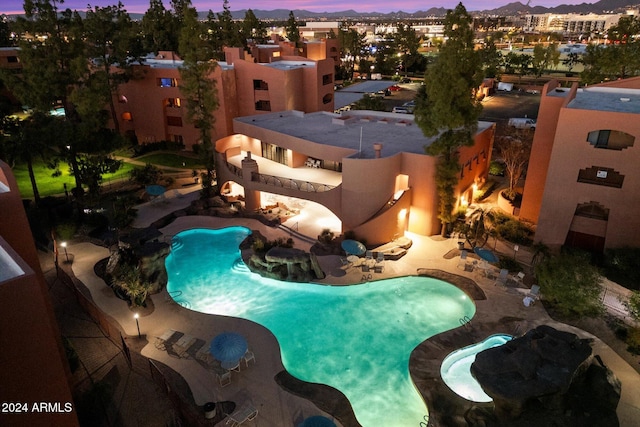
{"x":228,"y":347}
{"x":486,"y":254}
{"x":155,"y":190}
{"x":353,"y":247}
{"x":317,"y":421}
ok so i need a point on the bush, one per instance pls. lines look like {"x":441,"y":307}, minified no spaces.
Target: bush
{"x":619,"y":265}
{"x":496,"y":168}
{"x":571,"y":285}
{"x":633,"y":340}
{"x":509,"y":263}
{"x":262,"y":246}
{"x":509,"y":228}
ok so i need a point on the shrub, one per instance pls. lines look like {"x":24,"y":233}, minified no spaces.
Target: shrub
{"x":633,"y":340}
{"x":571,"y":284}
{"x":619,"y":265}
{"x":509,"y":263}
{"x":496,"y":168}
{"x":326,"y":236}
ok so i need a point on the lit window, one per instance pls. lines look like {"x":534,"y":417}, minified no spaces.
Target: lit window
{"x":167,"y":82}
{"x":126,"y":116}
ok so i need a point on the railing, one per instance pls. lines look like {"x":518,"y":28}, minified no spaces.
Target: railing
{"x":237,"y":171}
{"x":465,"y":321}
{"x":294,"y":184}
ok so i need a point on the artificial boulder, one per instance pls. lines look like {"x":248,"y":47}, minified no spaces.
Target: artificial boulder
{"x":534,"y":380}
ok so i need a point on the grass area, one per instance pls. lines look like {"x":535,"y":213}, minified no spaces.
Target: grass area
{"x":172,"y":160}
{"x":49,"y":185}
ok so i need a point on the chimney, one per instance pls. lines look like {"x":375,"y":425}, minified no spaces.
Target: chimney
{"x":377,"y":147}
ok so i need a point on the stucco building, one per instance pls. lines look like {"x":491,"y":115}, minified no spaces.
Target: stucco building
{"x":583,"y":181}
{"x":34,"y":365}
{"x":150,"y":107}
{"x":376,"y":177}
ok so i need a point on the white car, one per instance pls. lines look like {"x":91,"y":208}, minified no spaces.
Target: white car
{"x":403,"y":110}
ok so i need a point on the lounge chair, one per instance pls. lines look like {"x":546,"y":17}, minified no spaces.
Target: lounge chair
{"x":161,"y":341}
{"x":368,"y":255}
{"x":245,"y":412}
{"x":463,"y":261}
{"x":378,"y":268}
{"x":534,"y":292}
{"x":502,"y":277}
{"x":366,"y":267}
{"x":380,"y":257}
{"x":519,"y":278}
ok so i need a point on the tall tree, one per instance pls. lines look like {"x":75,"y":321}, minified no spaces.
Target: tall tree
{"x":514,"y":149}
{"x":619,"y":59}
{"x":491,"y":58}
{"x":351,"y":43}
{"x":292,"y":29}
{"x":26,"y":140}
{"x":109,"y":40}
{"x":160,"y":28}
{"x":544,"y":57}
{"x":447,"y":106}
{"x":253,"y":28}
{"x":229,"y":30}
{"x":199,"y":90}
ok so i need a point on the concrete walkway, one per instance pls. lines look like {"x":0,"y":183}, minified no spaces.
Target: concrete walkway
{"x":256,"y":383}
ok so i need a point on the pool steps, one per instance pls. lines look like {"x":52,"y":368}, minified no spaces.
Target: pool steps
{"x":240,"y":267}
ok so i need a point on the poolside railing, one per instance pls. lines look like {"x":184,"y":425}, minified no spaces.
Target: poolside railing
{"x":291,"y":183}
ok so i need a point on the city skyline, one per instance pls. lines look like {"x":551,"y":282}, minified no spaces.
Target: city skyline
{"x":382,"y":6}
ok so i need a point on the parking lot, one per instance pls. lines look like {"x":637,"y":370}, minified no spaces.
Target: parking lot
{"x":498,"y":108}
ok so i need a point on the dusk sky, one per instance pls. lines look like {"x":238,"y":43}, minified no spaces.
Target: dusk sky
{"x":140,"y":6}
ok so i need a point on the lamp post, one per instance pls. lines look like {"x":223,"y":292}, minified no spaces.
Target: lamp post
{"x":66,"y":255}
{"x":135,"y":316}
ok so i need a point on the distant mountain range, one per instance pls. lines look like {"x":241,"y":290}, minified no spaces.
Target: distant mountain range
{"x":602,"y":6}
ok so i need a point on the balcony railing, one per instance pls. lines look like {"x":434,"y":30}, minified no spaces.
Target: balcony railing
{"x":237,"y":171}
{"x":294,"y":184}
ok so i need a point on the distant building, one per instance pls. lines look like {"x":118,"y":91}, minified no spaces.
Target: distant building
{"x":272,"y":78}
{"x":369,"y":168}
{"x":33,"y":360}
{"x":570,"y":23}
{"x":583,"y":181}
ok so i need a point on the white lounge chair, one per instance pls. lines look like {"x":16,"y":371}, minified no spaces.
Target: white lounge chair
{"x":502,"y":277}
{"x":245,"y":412}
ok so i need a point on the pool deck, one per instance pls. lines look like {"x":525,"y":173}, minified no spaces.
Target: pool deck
{"x":501,"y":312}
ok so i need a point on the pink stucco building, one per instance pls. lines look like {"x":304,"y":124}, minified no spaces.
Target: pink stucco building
{"x":376,"y":176}
{"x":583,"y":183}
{"x":150,"y":107}
{"x":33,"y":360}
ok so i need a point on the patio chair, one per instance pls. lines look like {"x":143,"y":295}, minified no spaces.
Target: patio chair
{"x":534,"y":292}
{"x":519,"y":277}
{"x":247,"y":357}
{"x":380,"y":257}
{"x":378,"y":268}
{"x":462,"y":262}
{"x":502,"y":278}
{"x":368,"y":255}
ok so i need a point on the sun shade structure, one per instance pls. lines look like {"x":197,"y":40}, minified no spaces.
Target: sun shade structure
{"x":353,"y":247}
{"x":228,"y":347}
{"x":155,"y":190}
{"x":486,"y":254}
{"x":317,"y":421}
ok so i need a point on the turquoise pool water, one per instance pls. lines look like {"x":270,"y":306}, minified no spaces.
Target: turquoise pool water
{"x":456,"y":368}
{"x":357,"y":338}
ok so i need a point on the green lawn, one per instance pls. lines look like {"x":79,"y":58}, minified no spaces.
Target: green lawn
{"x":49,"y":185}
{"x":172,"y":160}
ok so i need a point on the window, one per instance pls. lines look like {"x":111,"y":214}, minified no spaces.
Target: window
{"x":592,"y":210}
{"x":172,"y":102}
{"x":174,"y":121}
{"x":126,"y":116}
{"x":610,"y":139}
{"x":327,"y":79}
{"x":601,"y":176}
{"x":263,"y":106}
{"x":167,"y":82}
{"x":275,"y":153}
{"x":122,"y":99}
{"x":260,"y":85}
{"x":327,"y":98}
{"x":12,"y":59}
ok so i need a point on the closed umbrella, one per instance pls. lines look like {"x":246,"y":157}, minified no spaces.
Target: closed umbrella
{"x":353,"y":247}
{"x":228,"y":347}
{"x":317,"y":421}
{"x":486,"y":255}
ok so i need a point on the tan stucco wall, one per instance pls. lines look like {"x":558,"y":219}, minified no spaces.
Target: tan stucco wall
{"x":540,"y":157}
{"x":571,"y":152}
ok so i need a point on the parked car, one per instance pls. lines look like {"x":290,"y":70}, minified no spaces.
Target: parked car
{"x":395,"y":88}
{"x":402,"y":110}
{"x":522,"y":123}
{"x":405,"y":80}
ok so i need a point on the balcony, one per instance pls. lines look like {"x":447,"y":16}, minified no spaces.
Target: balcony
{"x":301,"y":178}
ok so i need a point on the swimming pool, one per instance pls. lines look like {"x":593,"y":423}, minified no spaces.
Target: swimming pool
{"x":357,"y":339}
{"x":456,"y":368}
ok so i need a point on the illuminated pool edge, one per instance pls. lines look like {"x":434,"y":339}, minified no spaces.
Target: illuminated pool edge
{"x":455,"y":369}
{"x":231,"y":301}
